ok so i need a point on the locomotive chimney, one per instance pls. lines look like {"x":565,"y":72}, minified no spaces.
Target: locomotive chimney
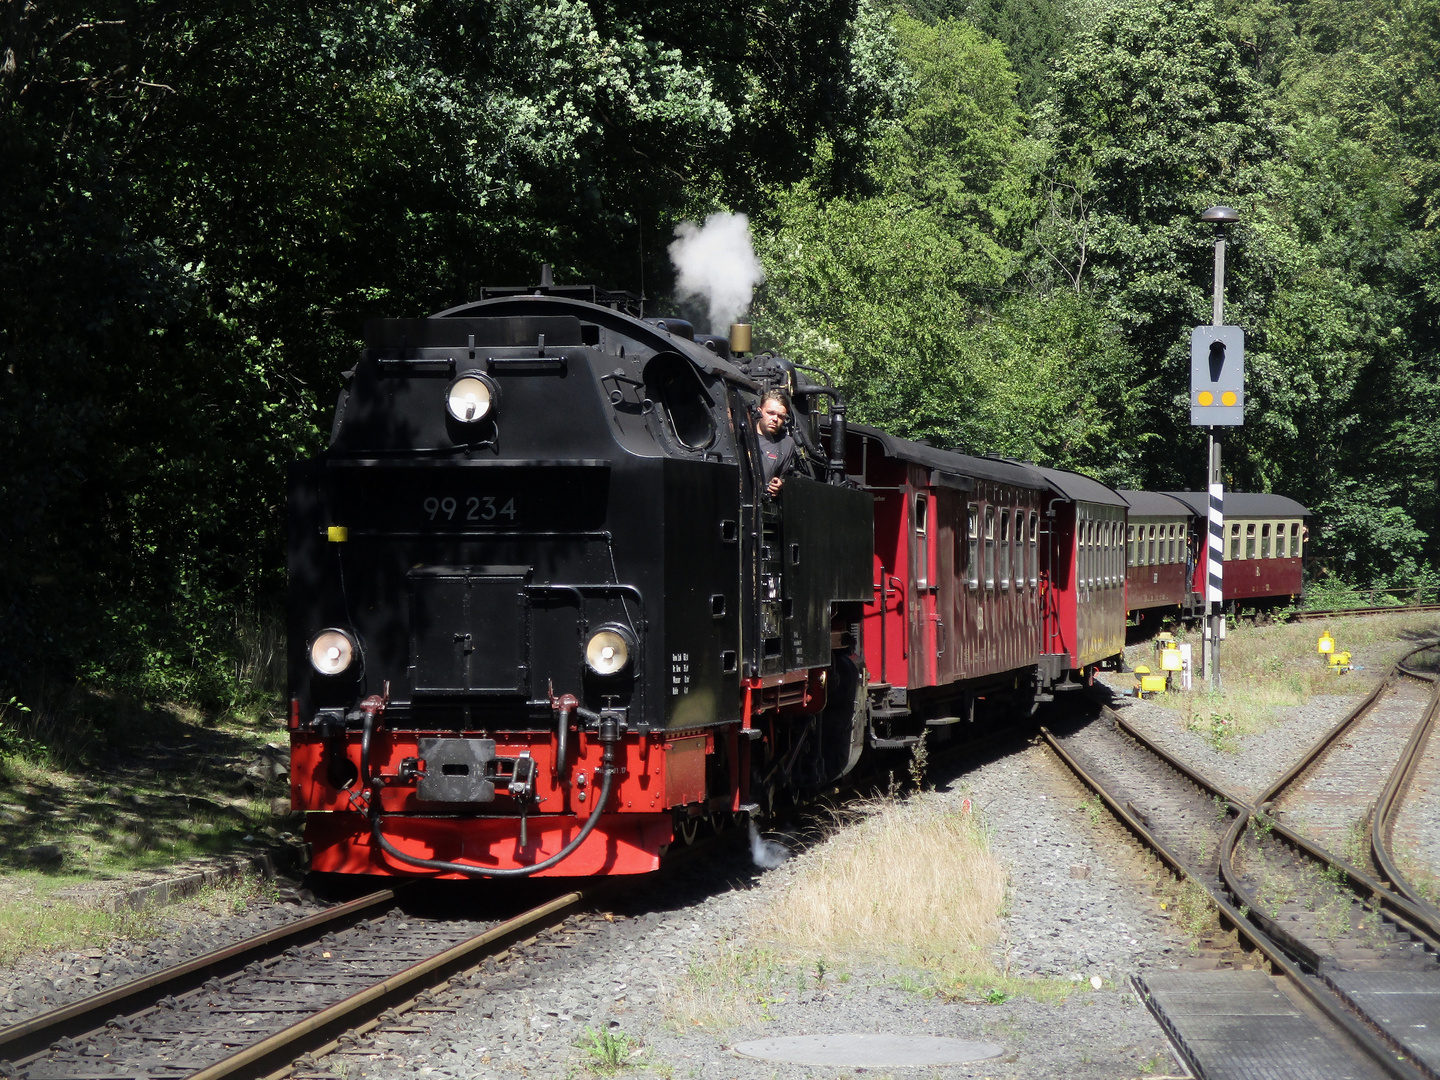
{"x":739,"y":338}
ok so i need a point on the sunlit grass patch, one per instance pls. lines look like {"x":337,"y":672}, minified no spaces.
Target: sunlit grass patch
{"x":995,"y":989}
{"x":32,"y":920}
{"x":1266,"y":668}
{"x":36,"y":919}
{"x":910,"y":884}
{"x":913,"y":882}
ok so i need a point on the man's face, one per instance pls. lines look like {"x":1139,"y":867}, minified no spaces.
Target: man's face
{"x":772,"y":417}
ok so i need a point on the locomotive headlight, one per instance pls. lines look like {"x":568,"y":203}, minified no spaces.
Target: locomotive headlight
{"x":471,"y":397}
{"x":608,"y":650}
{"x":333,"y":651}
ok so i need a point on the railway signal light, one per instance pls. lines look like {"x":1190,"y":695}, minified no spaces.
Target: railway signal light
{"x":1217,"y":376}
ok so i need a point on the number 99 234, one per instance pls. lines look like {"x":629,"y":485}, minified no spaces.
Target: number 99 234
{"x":444,"y":510}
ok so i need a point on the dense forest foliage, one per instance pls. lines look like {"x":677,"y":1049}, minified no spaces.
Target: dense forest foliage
{"x":980,"y":215}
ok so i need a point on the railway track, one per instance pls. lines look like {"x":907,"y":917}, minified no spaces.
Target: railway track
{"x":1340,"y":613}
{"x":254,"y":1008}
{"x":1328,"y":925}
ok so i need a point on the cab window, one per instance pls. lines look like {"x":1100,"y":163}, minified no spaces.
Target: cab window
{"x":673,"y":382}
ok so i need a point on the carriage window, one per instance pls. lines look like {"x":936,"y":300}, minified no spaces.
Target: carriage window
{"x":672,"y":381}
{"x":1295,"y":538}
{"x":1280,"y":539}
{"x":1235,"y":542}
{"x":1034,"y":549}
{"x":922,"y":546}
{"x":1130,"y":545}
{"x":1250,"y":540}
{"x":1150,"y":545}
{"x":972,"y":568}
{"x":1265,"y":541}
{"x":1174,"y":543}
{"x":1017,"y":564}
{"x":1005,"y":549}
{"x":989,"y":547}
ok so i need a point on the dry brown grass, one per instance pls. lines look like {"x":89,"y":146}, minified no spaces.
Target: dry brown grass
{"x":906,"y":885}
{"x":909,"y":881}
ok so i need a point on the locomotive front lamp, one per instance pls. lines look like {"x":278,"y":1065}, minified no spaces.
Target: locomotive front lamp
{"x":333,"y":651}
{"x":471,"y":397}
{"x":608,"y":650}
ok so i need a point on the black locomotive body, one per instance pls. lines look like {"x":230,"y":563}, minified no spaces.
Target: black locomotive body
{"x":542,"y":615}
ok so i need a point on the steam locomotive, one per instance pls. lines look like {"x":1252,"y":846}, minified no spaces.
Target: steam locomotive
{"x":544,"y":618}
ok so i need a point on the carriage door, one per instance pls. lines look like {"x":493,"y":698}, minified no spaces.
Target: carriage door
{"x":922,"y":586}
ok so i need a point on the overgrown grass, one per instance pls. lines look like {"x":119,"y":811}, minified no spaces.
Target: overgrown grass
{"x":32,"y":922}
{"x":35,"y":920}
{"x":607,"y":1051}
{"x":102,"y":832}
{"x":908,"y":881}
{"x":906,"y":884}
{"x":1269,"y":667}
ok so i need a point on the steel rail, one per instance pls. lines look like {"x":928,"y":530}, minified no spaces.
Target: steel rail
{"x":1419,"y":920}
{"x":278,"y":1050}
{"x":1340,"y":613}
{"x":90,"y":1014}
{"x":1382,"y":820}
{"x":1381,"y":1051}
{"x":1408,"y":914}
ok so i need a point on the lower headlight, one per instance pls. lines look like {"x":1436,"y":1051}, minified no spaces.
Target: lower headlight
{"x":608,"y":650}
{"x":332,"y":652}
{"x":471,"y":397}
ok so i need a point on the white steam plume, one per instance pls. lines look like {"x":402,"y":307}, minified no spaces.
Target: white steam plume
{"x":717,"y":262}
{"x":766,"y":854}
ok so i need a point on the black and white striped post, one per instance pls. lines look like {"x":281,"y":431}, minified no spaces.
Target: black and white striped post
{"x":1217,"y":397}
{"x":1215,"y":569}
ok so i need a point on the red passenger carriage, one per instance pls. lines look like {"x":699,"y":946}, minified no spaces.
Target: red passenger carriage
{"x":1264,"y":548}
{"x":1160,"y":545}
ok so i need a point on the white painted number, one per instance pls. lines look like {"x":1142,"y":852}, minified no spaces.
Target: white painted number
{"x":477,"y":508}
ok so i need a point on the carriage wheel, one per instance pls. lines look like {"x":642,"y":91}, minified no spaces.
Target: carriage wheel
{"x":687,"y":828}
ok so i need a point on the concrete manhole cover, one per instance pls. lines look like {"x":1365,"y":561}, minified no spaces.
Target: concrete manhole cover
{"x":868,"y":1051}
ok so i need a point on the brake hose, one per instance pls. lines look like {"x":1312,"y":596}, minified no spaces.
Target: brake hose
{"x":609,"y":735}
